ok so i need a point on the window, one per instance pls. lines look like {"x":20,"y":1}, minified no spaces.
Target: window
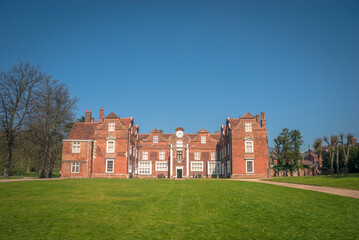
{"x":249,"y":146}
{"x":213,"y":155}
{"x":76,"y":147}
{"x":130,"y":150}
{"x":109,"y":165}
{"x":161,"y":166}
{"x":75,"y":167}
{"x":162,"y":155}
{"x":214,"y":167}
{"x":197,"y":166}
{"x":144,"y":168}
{"x":110,"y":146}
{"x":229,"y":166}
{"x":197,"y":155}
{"x":249,"y":166}
{"x":155,"y":139}
{"x":203,"y":139}
{"x":248,"y":127}
{"x":111,"y":126}
{"x":144,"y":155}
{"x":179,"y":143}
{"x":179,"y":155}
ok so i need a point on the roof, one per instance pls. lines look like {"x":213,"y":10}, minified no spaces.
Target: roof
{"x":82,"y":131}
{"x":126,"y":121}
{"x":111,"y":115}
{"x":216,"y":136}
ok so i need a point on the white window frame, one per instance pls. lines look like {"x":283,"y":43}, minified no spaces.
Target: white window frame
{"x":108,"y":150}
{"x":214,"y":156}
{"x":76,"y":147}
{"x":194,"y":168}
{"x":252,"y":166}
{"x":197,"y":155}
{"x":203,"y":139}
{"x":130,"y":150}
{"x":145,"y":168}
{"x":163,"y":168}
{"x":144,"y":155}
{"x":214,"y":167}
{"x":162,"y":155}
{"x":248,"y":127}
{"x":111,"y":126}
{"x":113,"y":165}
{"x":75,"y":167}
{"x":245,"y":146}
{"x":155,"y":139}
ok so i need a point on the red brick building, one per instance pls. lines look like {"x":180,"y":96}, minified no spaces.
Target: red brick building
{"x":113,"y":147}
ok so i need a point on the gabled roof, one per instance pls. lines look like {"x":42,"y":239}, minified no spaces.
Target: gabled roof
{"x":247,"y":115}
{"x":203,"y":131}
{"x":82,"y":131}
{"x":111,"y":115}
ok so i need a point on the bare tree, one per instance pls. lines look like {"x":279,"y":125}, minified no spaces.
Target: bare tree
{"x":52,"y":111}
{"x":346,"y":147}
{"x":318,"y":147}
{"x":16,"y":94}
{"x":332,"y":146}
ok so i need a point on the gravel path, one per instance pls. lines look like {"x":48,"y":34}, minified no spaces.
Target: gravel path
{"x":330,"y":190}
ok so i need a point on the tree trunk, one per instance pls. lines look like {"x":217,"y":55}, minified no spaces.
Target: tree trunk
{"x":338,"y":160}
{"x":42,"y":172}
{"x":298,"y":172}
{"x":7,"y":165}
{"x":331,"y":161}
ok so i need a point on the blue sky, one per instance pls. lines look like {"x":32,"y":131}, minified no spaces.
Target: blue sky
{"x":194,"y":63}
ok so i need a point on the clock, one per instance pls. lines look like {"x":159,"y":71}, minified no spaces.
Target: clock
{"x":179,"y":134}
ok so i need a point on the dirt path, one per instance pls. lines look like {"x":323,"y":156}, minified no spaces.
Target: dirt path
{"x":27,"y":179}
{"x":330,"y":190}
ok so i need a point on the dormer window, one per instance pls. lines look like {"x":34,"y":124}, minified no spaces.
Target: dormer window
{"x":248,"y":127}
{"x":203,"y":139}
{"x":155,"y":139}
{"x":111,"y":126}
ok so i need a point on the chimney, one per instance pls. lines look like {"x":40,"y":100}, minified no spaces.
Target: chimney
{"x":100,"y":119}
{"x":92,"y":119}
{"x":257,"y":118}
{"x":263,"y":120}
{"x":88,"y":115}
{"x":217,"y":132}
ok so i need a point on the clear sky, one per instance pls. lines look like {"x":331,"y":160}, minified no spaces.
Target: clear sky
{"x":194,"y":63}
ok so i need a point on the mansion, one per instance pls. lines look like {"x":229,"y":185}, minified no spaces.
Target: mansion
{"x":112,"y":147}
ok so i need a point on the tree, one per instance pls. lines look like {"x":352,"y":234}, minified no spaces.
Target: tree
{"x":52,"y":112}
{"x":318,"y":147}
{"x":346,"y":147}
{"x":332,"y":146}
{"x":287,"y":150}
{"x":16,"y":95}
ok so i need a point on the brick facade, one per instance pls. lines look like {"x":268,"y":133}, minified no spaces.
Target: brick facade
{"x":113,"y":148}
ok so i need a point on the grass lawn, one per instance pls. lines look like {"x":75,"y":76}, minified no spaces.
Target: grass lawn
{"x":22,"y":174}
{"x":169,"y":209}
{"x":349,"y":182}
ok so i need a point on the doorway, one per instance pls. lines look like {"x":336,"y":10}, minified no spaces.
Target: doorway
{"x":179,"y":172}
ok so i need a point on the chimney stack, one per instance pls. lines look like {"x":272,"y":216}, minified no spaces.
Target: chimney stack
{"x":100,"y":119}
{"x":88,"y":115}
{"x":263,"y":120}
{"x":257,"y":118}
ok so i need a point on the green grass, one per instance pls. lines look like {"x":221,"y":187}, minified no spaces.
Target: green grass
{"x":349,"y":182}
{"x":169,"y":209}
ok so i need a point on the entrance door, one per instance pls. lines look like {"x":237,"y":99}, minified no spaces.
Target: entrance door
{"x":179,"y":173}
